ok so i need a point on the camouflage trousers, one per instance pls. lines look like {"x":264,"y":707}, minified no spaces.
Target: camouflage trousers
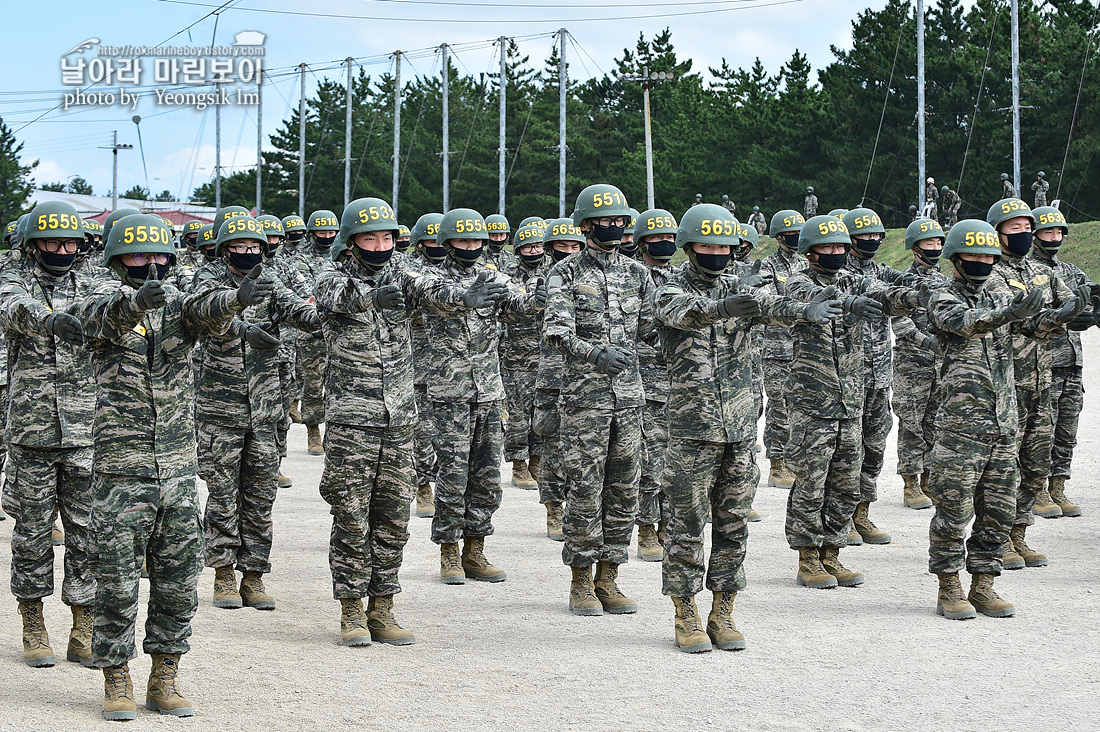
{"x":137,"y":519}
{"x":424,"y":449}
{"x":654,"y":455}
{"x":825,"y":456}
{"x":971,"y":477}
{"x":602,"y":472}
{"x":38,"y":479}
{"x":546,"y":423}
{"x":950,"y":218}
{"x":369,"y":482}
{"x":758,"y":373}
{"x":1033,"y":449}
{"x":777,"y":426}
{"x":1067,"y":399}
{"x":286,"y":394}
{"x":241,"y":470}
{"x":3,"y":440}
{"x":915,"y":398}
{"x":877,"y":423}
{"x":520,"y":442}
{"x":712,"y":481}
{"x":311,"y":372}
{"x":468,"y":441}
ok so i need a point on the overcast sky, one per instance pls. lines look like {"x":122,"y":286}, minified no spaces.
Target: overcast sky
{"x":179,"y":141}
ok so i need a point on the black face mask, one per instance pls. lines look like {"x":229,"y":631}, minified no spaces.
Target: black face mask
{"x":294,"y":238}
{"x":136,"y":275}
{"x":434,"y":253}
{"x":402,"y":245}
{"x":931,"y":258}
{"x":711,"y":264}
{"x":532,"y":260}
{"x":866,"y":247}
{"x":558,"y":254}
{"x":190,"y":240}
{"x":742,"y":254}
{"x":56,"y":263}
{"x":974,"y":272}
{"x":661,"y":250}
{"x":830,"y":263}
{"x":271,"y":249}
{"x":1019,"y":244}
{"x":324,"y":243}
{"x":790,"y":241}
{"x":374,"y":261}
{"x":629,"y":249}
{"x":209,"y":253}
{"x":496,"y":247}
{"x":467,"y":257}
{"x":607,"y":237}
{"x":244,"y":263}
{"x":1049,"y":248}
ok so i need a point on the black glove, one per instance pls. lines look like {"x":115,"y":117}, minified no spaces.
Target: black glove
{"x":739,"y":305}
{"x":484,"y":292}
{"x":259,"y":339}
{"x":931,"y":343}
{"x":1025,"y":305}
{"x":541,"y":292}
{"x":824,"y":307}
{"x":609,"y":360}
{"x":388,"y":297}
{"x":1084,"y":321}
{"x":1069,"y":311}
{"x":753,"y":278}
{"x":1084,"y":296}
{"x":862,"y":307}
{"x":150,"y":295}
{"x":253,"y":290}
{"x":66,"y":327}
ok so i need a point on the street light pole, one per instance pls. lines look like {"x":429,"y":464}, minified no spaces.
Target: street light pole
{"x":114,"y":148}
{"x":647,"y":79}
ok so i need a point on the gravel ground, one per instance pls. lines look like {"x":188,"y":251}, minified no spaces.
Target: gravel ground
{"x":512,"y":656}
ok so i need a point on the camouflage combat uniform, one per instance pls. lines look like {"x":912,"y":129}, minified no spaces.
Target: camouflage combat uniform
{"x":500,"y":259}
{"x":280,"y":268}
{"x":1040,"y":187}
{"x":519,"y":362}
{"x":146,"y":504}
{"x":931,"y":195}
{"x":546,"y":419}
{"x":758,"y":222}
{"x":50,"y":404}
{"x":951,"y":204}
{"x":310,"y":262}
{"x":654,"y":452}
{"x":238,"y":407}
{"x":599,"y":299}
{"x":427,"y":465}
{"x":778,"y":348}
{"x":1007,"y":189}
{"x":809,"y":205}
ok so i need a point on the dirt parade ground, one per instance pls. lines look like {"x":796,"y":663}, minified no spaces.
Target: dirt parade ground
{"x":511,"y":656}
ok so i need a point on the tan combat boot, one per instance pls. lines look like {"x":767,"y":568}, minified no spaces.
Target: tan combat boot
{"x":913,"y":495}
{"x":118,"y":694}
{"x":450,"y":565}
{"x":284,"y":482}
{"x":863,"y":524}
{"x":582,"y":594}
{"x":521,"y":477}
{"x":162,"y":695}
{"x":225,"y":589}
{"x":753,"y":516}
{"x":57,"y":535}
{"x":314,"y":444}
{"x":425,"y":503}
{"x":353,"y":623}
{"x":1011,"y":559}
{"x":36,"y":642}
{"x":1045,"y":507}
{"x":854,"y":539}
{"x":720,"y":627}
{"x":1031,"y":557}
{"x":779,"y":476}
{"x":986,"y":600}
{"x":810,"y":571}
{"x":690,"y":637}
{"x":830,"y":560}
{"x":474,"y":563}
{"x":951,"y":603}
{"x":533,"y":464}
{"x":80,"y":637}
{"x":295,"y":413}
{"x":383,"y":627}
{"x":1057,"y":491}
{"x":253,"y":593}
{"x":553,"y":521}
{"x":608,"y":592}
{"x":649,"y":549}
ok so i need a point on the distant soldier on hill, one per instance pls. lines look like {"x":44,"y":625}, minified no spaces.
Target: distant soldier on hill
{"x":1040,"y":186}
{"x":809,"y":207}
{"x":1008,"y":190}
{"x":951,"y":203}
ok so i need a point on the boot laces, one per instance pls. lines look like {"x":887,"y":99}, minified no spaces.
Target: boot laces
{"x":117,"y":678}
{"x":451,"y":558}
{"x":689,"y":618}
{"x":353,"y":614}
{"x":33,"y":618}
{"x":87,"y":620}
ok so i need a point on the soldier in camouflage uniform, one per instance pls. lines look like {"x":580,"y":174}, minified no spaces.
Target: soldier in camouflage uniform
{"x":140,"y":333}
{"x":188,"y":260}
{"x":1031,"y":339}
{"x":826,"y":393}
{"x":1066,"y":392}
{"x":294,"y":232}
{"x":809,"y":204}
{"x":495,"y":253}
{"x":729,"y":205}
{"x":705,"y":316}
{"x":628,"y":247}
{"x":1040,"y":186}
{"x":973,"y":464}
{"x":916,"y":388}
{"x":698,"y":200}
{"x":1007,"y":189}
{"x":278,"y":268}
{"x":951,"y":204}
{"x":5,"y":258}
{"x":48,"y":429}
{"x":403,"y":241}
{"x":519,"y":361}
{"x":757,"y":220}
{"x":600,"y":306}
{"x":778,"y":348}
{"x":238,"y":410}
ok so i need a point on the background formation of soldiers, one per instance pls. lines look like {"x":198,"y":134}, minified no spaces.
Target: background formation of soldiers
{"x":631,"y":389}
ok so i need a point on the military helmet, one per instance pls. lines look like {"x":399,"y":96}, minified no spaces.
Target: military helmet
{"x":361,"y":216}
{"x":426,"y":227}
{"x":54,"y":220}
{"x":748,"y":234}
{"x":1004,"y":176}
{"x":756,"y":209}
{"x":922,"y":229}
{"x":838,"y":212}
{"x":725,"y":198}
{"x":322,"y":220}
{"x":1048,"y":217}
{"x":655,"y":221}
{"x":698,"y":195}
{"x":240,"y":227}
{"x":93,"y":227}
{"x":461,"y":223}
{"x":600,"y":200}
{"x":273,"y":225}
{"x":529,"y":220}
{"x":115,"y":216}
{"x":498,"y":224}
{"x":9,"y":230}
{"x":632,"y":222}
{"x":944,"y":190}
{"x":707,"y":223}
{"x":528,"y":234}
{"x":293,"y":223}
{"x":809,"y":189}
{"x":20,"y":231}
{"x":931,"y":181}
{"x":228,"y":212}
{"x":822,"y":230}
{"x":863,"y":221}
{"x":786,"y":220}
{"x":563,"y":230}
{"x":403,"y":231}
{"x":1008,"y":208}
{"x":207,"y":236}
{"x":140,"y":234}
{"x":192,"y":227}
{"x":971,"y":236}
{"x":1042,"y":174}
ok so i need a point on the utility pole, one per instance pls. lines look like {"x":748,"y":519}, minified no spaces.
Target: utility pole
{"x":396,"y":128}
{"x":647,"y":80}
{"x":217,"y":144}
{"x":563,"y":85}
{"x":259,"y":141}
{"x":503,"y":84}
{"x":114,"y":148}
{"x":920,"y":105}
{"x":1016,"y":95}
{"x":446,"y":130}
{"x":302,"y":145}
{"x":347,"y":137}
